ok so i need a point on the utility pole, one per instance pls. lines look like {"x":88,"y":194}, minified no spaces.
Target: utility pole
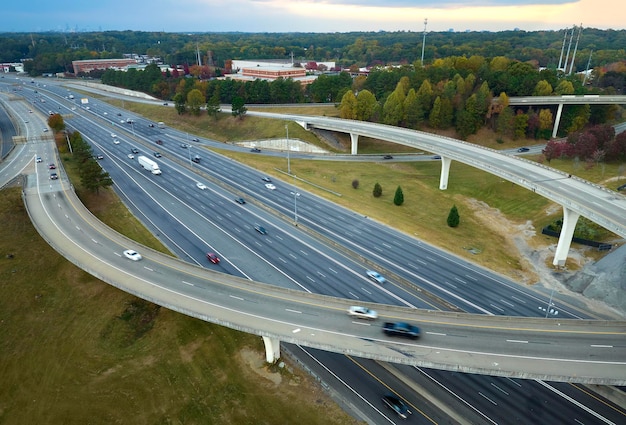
{"x":424,"y":40}
{"x":571,"y":67}
{"x":569,"y":46}
{"x":562,"y":50}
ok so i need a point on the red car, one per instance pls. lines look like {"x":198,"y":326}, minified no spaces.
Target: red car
{"x":212,"y":258}
{"x":52,"y":166}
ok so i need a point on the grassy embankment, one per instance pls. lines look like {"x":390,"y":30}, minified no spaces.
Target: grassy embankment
{"x":74,"y":350}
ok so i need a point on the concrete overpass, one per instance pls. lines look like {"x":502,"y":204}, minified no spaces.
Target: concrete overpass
{"x":587,"y":99}
{"x":577,"y":196}
{"x":549,"y":349}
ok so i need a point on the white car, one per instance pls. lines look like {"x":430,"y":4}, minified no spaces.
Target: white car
{"x":116,"y":142}
{"x":132,"y":255}
{"x":113,"y":135}
{"x":362,"y":313}
{"x":376,"y":277}
{"x":38,"y":159}
{"x":131,"y":156}
{"x":270,"y":186}
{"x":201,"y":186}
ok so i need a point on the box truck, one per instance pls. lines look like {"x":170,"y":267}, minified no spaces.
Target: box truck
{"x":148,"y":164}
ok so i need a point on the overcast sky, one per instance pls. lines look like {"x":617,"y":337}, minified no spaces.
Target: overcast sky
{"x":308,"y":15}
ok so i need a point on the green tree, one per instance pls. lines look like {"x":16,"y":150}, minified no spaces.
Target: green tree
{"x":505,"y":122}
{"x":213,"y":106}
{"x":398,"y":198}
{"x":393,"y":109}
{"x":413,"y":114}
{"x":453,"y":217}
{"x":195,"y":100}
{"x":378,"y":190}
{"x":434,"y":119}
{"x":238,"y":107}
{"x":93,"y":177}
{"x":179,"y":103}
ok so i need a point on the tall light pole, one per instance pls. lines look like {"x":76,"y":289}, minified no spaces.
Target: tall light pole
{"x":424,"y":40}
{"x":288,"y":150}
{"x":295,"y":207}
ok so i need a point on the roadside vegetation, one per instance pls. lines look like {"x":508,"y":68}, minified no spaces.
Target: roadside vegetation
{"x":74,"y":350}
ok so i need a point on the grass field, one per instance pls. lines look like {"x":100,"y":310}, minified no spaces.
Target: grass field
{"x":74,"y":350}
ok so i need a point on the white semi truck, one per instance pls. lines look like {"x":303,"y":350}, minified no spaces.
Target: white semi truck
{"x":148,"y":164}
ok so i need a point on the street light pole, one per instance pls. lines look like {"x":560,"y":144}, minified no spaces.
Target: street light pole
{"x":295,"y":207}
{"x":288,"y":150}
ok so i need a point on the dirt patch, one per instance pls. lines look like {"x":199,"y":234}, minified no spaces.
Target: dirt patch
{"x":256,"y":364}
{"x":536,"y":256}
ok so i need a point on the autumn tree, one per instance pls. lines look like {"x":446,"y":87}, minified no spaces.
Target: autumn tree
{"x":366,"y":105}
{"x":545,"y":124}
{"x":520,"y":125}
{"x":195,"y":100}
{"x":56,"y":123}
{"x":543,"y":88}
{"x":348,"y":106}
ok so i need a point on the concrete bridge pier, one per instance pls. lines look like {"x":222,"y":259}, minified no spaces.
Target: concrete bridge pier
{"x":565,"y":239}
{"x":557,"y":120}
{"x":272,"y":349}
{"x":354,"y":145}
{"x":445,"y":172}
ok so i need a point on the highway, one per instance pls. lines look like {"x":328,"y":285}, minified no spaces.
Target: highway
{"x":255,"y":188}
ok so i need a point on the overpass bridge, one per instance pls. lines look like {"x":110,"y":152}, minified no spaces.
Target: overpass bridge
{"x":565,"y":350}
{"x":578,"y":197}
{"x":587,"y":99}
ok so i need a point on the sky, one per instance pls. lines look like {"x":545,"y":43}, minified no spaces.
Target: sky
{"x":322,"y":16}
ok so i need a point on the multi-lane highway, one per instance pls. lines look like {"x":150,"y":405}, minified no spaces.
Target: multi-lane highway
{"x":275,"y":198}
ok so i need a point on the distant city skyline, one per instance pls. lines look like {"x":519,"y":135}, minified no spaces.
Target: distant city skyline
{"x":310,"y":15}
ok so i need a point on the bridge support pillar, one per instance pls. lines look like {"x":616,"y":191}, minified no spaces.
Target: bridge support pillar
{"x":272,"y":349}
{"x":565,"y":239}
{"x":354,"y":146}
{"x":445,"y":172}
{"x":557,"y":120}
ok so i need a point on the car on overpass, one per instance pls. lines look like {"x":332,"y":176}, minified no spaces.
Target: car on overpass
{"x":131,"y":254}
{"x":360,"y":312}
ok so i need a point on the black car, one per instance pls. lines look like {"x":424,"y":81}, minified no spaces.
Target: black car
{"x":240,"y":201}
{"x":261,"y":230}
{"x":196,"y":159}
{"x":134,"y":150}
{"x":266,"y":179}
{"x":387,"y":157}
{"x":397,"y":405}
{"x":157,"y":154}
{"x":54,"y":176}
{"x":523,"y":150}
{"x":257,"y":150}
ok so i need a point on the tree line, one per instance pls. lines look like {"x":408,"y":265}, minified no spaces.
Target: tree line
{"x":52,"y":52}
